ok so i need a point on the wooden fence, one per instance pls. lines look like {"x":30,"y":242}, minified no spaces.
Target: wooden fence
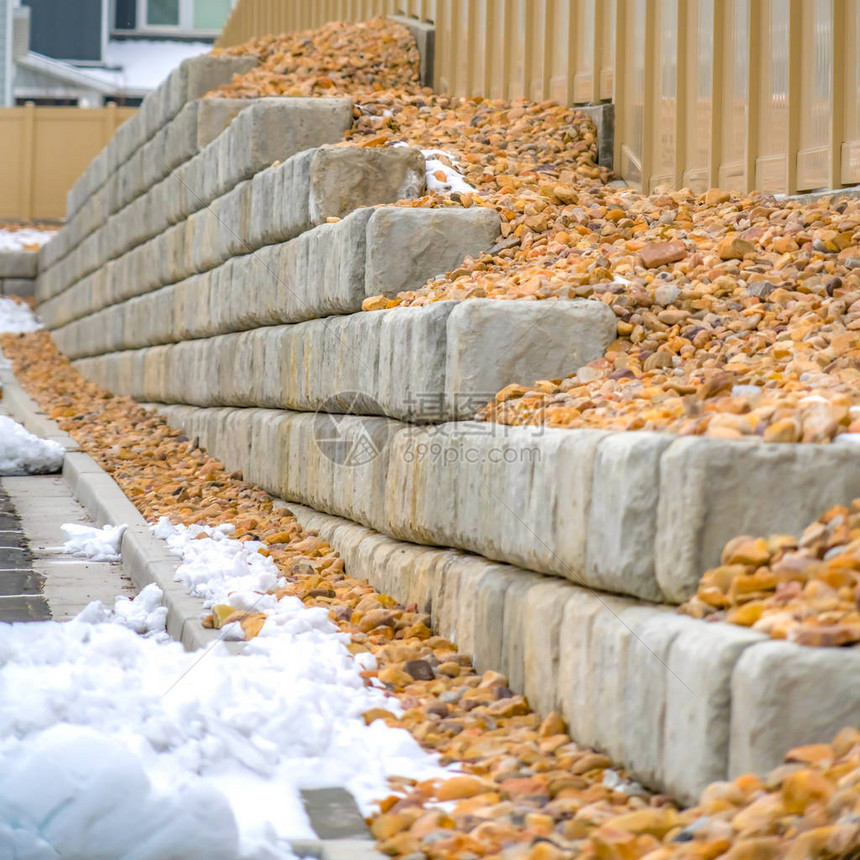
{"x":43,"y":150}
{"x":734,"y":93}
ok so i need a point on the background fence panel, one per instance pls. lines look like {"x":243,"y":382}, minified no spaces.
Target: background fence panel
{"x":45,"y":149}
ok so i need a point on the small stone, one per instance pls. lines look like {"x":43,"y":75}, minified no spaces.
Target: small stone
{"x":747,"y":551}
{"x":420,"y":670}
{"x":459,"y":788}
{"x":666,"y":294}
{"x":734,"y":248}
{"x":656,"y":254}
{"x":716,"y":196}
{"x":377,"y":714}
{"x":803,"y":788}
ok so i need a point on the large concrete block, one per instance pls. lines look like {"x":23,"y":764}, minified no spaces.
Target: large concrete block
{"x":214,"y":115}
{"x":514,"y":494}
{"x":405,"y":247}
{"x":274,"y":129}
{"x":623,"y":517}
{"x":205,"y":73}
{"x":712,"y":490}
{"x":19,"y":264}
{"x":492,"y":344}
{"x":701,"y":662}
{"x":786,"y":695}
{"x":344,"y":178}
{"x":513,"y":657}
{"x":280,"y":200}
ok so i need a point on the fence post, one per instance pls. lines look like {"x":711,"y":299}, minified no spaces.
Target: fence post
{"x":795,"y":99}
{"x":717,"y":91}
{"x":837,"y":92}
{"x":682,"y":90}
{"x":648,"y":94}
{"x":753,"y":95}
{"x":618,"y":82}
{"x":28,"y":160}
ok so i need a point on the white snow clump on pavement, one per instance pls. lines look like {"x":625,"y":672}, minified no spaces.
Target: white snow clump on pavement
{"x":21,"y":451}
{"x":96,"y":544}
{"x":113,"y":745}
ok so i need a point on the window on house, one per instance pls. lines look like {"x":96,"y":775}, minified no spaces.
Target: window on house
{"x":126,"y":15}
{"x":162,"y":13}
{"x":210,"y":14}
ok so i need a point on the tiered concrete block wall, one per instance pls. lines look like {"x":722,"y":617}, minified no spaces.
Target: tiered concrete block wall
{"x":238,"y":305}
{"x":18,"y":273}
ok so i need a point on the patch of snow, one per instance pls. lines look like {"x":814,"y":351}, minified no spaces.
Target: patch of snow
{"x":144,"y":614}
{"x":140,"y":65}
{"x":439,"y":160}
{"x":21,"y":451}
{"x":16,"y":317}
{"x":22,"y":238}
{"x":113,"y":745}
{"x":93,"y":543}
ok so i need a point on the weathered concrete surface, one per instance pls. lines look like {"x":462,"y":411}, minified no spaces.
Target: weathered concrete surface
{"x":405,"y":247}
{"x":18,"y":264}
{"x":345,"y":178}
{"x":492,"y":344}
{"x":712,"y":490}
{"x":786,"y":695}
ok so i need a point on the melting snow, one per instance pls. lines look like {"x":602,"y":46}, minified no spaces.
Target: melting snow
{"x":93,"y":543}
{"x":114,"y":745}
{"x":16,"y":317}
{"x":20,"y":238}
{"x":21,"y":451}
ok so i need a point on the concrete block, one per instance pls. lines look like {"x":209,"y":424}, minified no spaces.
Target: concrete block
{"x":205,"y":73}
{"x":623,"y":517}
{"x":492,"y":344}
{"x":712,"y":490}
{"x":406,"y":247}
{"x":214,"y":115}
{"x":280,"y":200}
{"x":24,"y":287}
{"x":786,"y":695}
{"x":18,"y":264}
{"x":274,"y":129}
{"x":344,"y":178}
{"x":701,"y":662}
{"x":514,"y":494}
{"x":513,"y":658}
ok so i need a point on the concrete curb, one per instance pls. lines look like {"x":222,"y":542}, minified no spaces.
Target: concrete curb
{"x":145,"y":558}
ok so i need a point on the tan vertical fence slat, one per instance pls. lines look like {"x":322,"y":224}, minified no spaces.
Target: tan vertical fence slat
{"x":649,"y":101}
{"x":597,"y":59}
{"x":28,"y":160}
{"x":754,"y":94}
{"x":796,"y":46}
{"x":838,"y":77}
{"x":620,"y":96}
{"x":683,"y":102}
{"x":717,"y":93}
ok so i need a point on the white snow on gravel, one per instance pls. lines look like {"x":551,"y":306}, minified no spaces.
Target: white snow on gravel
{"x":96,"y":544}
{"x":113,"y":745}
{"x":16,"y":317}
{"x":453,"y":181}
{"x":18,"y":240}
{"x":21,"y":451}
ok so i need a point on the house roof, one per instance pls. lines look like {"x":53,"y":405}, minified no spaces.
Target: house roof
{"x":133,"y":67}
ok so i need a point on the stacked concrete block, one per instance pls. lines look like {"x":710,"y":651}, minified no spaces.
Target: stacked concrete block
{"x":394,"y":363}
{"x":18,"y":271}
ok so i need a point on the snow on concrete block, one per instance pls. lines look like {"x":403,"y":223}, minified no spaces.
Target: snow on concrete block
{"x":702,"y":659}
{"x":623,"y":519}
{"x":18,"y":264}
{"x":701,"y":480}
{"x":406,"y":247}
{"x":786,"y":695}
{"x":492,"y":344}
{"x":346,"y":178}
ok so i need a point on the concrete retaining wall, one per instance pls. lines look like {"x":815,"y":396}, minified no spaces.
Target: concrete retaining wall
{"x":679,"y":702}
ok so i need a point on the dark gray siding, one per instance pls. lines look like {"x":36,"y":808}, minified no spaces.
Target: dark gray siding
{"x":66,"y":29}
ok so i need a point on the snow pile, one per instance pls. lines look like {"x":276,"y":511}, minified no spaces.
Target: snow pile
{"x":144,"y":614}
{"x":16,"y":317}
{"x":113,"y":745}
{"x":22,"y":238}
{"x":21,"y":451}
{"x":93,"y":543}
{"x":453,"y":182}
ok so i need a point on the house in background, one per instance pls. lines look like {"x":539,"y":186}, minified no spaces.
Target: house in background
{"x":92,"y":52}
